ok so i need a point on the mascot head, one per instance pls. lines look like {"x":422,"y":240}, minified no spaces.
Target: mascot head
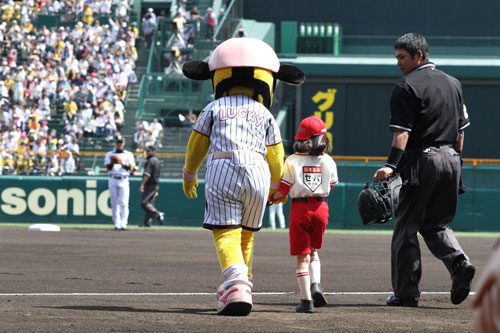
{"x":246,"y":66}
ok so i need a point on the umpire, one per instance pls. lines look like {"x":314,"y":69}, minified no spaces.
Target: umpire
{"x":150,"y":187}
{"x":428,"y":117}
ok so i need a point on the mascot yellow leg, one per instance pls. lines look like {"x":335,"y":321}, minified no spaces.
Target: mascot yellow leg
{"x":247,"y":240}
{"x":234,"y":249}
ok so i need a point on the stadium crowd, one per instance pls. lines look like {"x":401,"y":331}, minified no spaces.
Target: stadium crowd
{"x":80,"y":71}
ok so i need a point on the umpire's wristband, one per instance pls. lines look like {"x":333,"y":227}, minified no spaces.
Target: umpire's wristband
{"x":394,"y":158}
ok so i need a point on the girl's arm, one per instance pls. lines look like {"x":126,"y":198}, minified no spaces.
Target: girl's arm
{"x":281,"y":193}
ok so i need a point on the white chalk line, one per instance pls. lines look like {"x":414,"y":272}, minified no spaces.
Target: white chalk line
{"x":351,"y":293}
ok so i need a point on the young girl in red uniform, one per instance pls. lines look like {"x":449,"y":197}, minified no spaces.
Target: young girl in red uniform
{"x":309,"y":176}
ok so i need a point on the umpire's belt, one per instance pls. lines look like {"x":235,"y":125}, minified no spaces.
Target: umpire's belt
{"x":439,"y":145}
{"x":309,"y":199}
{"x":118,"y":177}
{"x":229,"y":155}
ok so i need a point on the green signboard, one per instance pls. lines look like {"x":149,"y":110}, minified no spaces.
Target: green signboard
{"x":356,"y":115}
{"x":62,"y":200}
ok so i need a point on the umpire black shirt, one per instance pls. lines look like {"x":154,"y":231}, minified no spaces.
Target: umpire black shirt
{"x":152,"y":170}
{"x":428,"y":103}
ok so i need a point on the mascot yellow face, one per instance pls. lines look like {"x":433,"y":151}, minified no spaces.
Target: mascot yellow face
{"x":246,"y":66}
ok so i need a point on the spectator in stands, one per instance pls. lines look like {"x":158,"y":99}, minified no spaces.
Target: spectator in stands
{"x":70,"y":109}
{"x":71,"y":128}
{"x":44,"y":108}
{"x":40,"y":164}
{"x":122,"y":9}
{"x":180,"y":34}
{"x":90,"y":128}
{"x":19,"y":76}
{"x":135,"y":33}
{"x":100,"y":125}
{"x":191,"y":117}
{"x":133,"y":14}
{"x":72,"y":145}
{"x":194,"y":14}
{"x":87,"y":14}
{"x":4,"y":70}
{"x":110,"y":123}
{"x":211,"y":23}
{"x":52,"y":144}
{"x":191,"y":38}
{"x":117,"y":106}
{"x":3,"y":158}
{"x":53,"y":164}
{"x":40,"y":146}
{"x":148,"y":27}
{"x":141,"y":123}
{"x":175,"y":62}
{"x":140,"y":138}
{"x":150,"y":139}
{"x":118,"y":120}
{"x":157,"y":131}
{"x":21,"y":162}
{"x":178,"y":6}
{"x":44,"y":129}
{"x":68,"y":164}
{"x":188,"y":120}
{"x":58,"y":64}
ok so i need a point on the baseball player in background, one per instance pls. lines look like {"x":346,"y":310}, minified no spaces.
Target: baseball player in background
{"x":245,"y":156}
{"x":120,"y":165}
{"x":276,"y":210}
{"x":149,"y":188}
{"x":309,"y":176}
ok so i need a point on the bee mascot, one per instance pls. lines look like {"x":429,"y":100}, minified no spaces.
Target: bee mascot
{"x":245,"y":156}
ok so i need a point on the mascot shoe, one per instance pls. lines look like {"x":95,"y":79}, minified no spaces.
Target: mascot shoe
{"x":234,"y":301}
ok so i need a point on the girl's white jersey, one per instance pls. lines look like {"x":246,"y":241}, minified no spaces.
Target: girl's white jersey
{"x":309,"y":176}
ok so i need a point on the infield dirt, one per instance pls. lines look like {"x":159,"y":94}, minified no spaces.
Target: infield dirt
{"x":88,"y":280}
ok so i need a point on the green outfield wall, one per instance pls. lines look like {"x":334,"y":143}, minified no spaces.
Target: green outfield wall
{"x":62,"y":200}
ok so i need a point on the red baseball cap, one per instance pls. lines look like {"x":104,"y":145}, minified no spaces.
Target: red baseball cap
{"x":310,"y":126}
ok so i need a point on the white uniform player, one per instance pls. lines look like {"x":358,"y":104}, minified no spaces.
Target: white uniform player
{"x":237,"y":177}
{"x":118,"y":184}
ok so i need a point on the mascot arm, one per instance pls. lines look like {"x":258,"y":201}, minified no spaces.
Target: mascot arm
{"x":196,"y":151}
{"x":275,"y":155}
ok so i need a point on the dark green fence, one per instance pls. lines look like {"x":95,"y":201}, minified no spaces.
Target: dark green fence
{"x":86,"y":200}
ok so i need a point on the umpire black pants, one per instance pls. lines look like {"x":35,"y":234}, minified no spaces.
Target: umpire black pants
{"x":148,"y":198}
{"x":427,"y":208}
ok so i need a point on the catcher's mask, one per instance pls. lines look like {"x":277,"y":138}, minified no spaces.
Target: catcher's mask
{"x":377,"y":202}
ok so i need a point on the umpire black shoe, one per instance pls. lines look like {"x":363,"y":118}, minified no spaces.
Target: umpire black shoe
{"x":410,"y":302}
{"x":461,"y":278}
{"x":147,"y":223}
{"x":317,"y":295}
{"x":161,"y":218}
{"x":305,"y":306}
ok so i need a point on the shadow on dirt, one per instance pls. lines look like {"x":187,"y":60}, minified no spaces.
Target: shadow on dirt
{"x":131,"y":309}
